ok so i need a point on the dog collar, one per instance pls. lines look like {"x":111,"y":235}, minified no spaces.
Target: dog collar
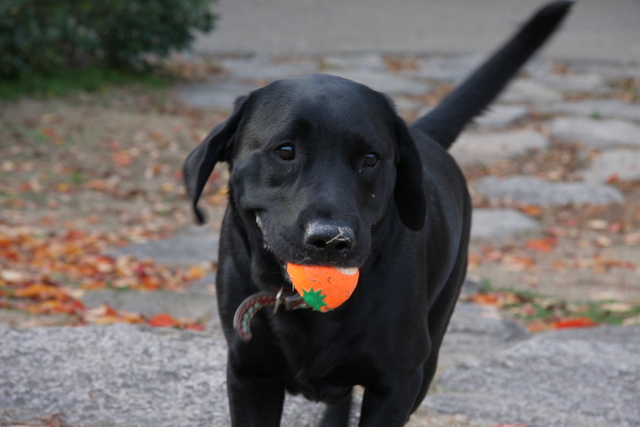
{"x":252,"y":304}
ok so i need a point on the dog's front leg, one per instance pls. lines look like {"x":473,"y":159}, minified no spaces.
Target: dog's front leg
{"x":254,"y":401}
{"x":391,"y":405}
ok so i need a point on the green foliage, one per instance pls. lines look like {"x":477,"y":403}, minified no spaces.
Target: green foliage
{"x":63,"y":81}
{"x":42,"y":36}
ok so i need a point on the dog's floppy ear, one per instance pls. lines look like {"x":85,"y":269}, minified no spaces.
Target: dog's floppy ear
{"x":215,"y":147}
{"x":409,"y":191}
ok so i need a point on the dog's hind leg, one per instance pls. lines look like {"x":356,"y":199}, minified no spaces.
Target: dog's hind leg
{"x":337,"y":415}
{"x":441,"y":310}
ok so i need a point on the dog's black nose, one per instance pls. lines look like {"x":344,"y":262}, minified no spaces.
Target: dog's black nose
{"x":329,"y":239}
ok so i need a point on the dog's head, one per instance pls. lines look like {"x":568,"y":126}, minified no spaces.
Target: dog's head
{"x":316,"y":162}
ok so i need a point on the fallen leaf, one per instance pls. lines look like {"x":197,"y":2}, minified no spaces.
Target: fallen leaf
{"x":518,"y":263}
{"x":122,"y":158}
{"x":162,"y":320}
{"x":194,"y":326}
{"x":603,"y":241}
{"x":40,"y":291}
{"x":13,"y":276}
{"x":574,"y":322}
{"x":545,"y":245}
{"x":533,"y":210}
{"x":617,"y":307}
{"x":598,"y":224}
{"x":195,"y":273}
{"x":631,"y":321}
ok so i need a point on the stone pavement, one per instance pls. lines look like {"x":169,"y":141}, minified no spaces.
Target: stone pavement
{"x":491,"y":369}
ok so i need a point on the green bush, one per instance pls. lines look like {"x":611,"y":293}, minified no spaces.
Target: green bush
{"x":41,"y":36}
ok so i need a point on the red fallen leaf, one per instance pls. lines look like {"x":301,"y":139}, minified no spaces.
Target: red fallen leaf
{"x":5,"y":242}
{"x":485,"y":299}
{"x":532,"y":210}
{"x":545,"y":245}
{"x":495,"y":299}
{"x":518,"y":263}
{"x":24,"y":187}
{"x":162,"y":320}
{"x":122,"y":158}
{"x":74,"y":306}
{"x":51,"y":134}
{"x":150,"y":283}
{"x":194,"y":326}
{"x":574,"y":322}
{"x":613,"y":178}
{"x":615,"y":227}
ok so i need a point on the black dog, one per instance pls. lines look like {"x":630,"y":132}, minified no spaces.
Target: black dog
{"x":317,"y":157}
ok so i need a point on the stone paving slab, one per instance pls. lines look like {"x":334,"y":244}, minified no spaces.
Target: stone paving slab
{"x":126,"y":375}
{"x":536,"y":191}
{"x":600,"y":134}
{"x":136,"y":376}
{"x":500,"y":116}
{"x":262,"y":68}
{"x":477,"y":331}
{"x":121,"y":376}
{"x":219,"y":94}
{"x":570,"y":378}
{"x":362,"y":61}
{"x":384,"y":82}
{"x":593,"y":83}
{"x":191,"y":305}
{"x":487,"y":148}
{"x":614,"y":165}
{"x":497,"y":224}
{"x":529,"y":91}
{"x":452,"y":69}
{"x":596,"y":108}
{"x":191,"y":246}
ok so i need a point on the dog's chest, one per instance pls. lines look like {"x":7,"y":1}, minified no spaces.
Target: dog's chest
{"x":325,"y":361}
{"x":330,"y":373}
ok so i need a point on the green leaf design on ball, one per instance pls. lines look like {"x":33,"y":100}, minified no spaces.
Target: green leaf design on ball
{"x":315,"y":299}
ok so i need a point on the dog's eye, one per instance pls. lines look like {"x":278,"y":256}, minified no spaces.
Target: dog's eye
{"x":371,"y":159}
{"x":285,"y":152}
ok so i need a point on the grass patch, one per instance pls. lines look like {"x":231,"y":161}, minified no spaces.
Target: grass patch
{"x":67,"y":81}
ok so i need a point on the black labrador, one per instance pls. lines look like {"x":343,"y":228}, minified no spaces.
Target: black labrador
{"x":316,"y":157}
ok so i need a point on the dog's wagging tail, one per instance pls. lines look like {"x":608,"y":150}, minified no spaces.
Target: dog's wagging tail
{"x":472,"y":97}
{"x":324,"y":175}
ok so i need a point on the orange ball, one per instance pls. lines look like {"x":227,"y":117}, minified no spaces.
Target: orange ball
{"x":323,"y":288}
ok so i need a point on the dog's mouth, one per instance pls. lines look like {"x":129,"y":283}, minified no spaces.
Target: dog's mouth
{"x":287,"y":248}
{"x":259,"y":222}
